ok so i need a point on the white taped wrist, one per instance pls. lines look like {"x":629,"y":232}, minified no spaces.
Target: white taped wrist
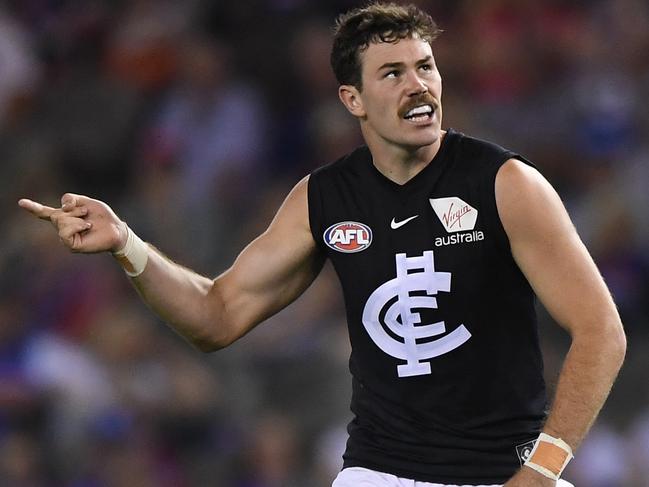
{"x":134,"y":255}
{"x":549,"y":456}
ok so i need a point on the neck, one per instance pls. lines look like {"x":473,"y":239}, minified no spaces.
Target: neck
{"x":401,"y":164}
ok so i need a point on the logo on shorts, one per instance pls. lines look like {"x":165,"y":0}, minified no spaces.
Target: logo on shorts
{"x":395,"y":324}
{"x":348,"y":237}
{"x":524,"y":451}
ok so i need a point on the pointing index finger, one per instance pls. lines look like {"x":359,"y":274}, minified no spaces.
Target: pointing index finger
{"x":41,"y":211}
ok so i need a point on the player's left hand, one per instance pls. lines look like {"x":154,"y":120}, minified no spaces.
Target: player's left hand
{"x":526,"y":477}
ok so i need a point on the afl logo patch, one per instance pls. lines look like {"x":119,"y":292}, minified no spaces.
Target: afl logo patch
{"x":348,"y":237}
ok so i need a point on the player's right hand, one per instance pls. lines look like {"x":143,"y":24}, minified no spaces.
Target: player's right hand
{"x":84,"y":225}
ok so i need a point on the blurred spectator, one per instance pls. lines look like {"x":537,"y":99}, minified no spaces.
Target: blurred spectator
{"x":273,"y":456}
{"x":625,"y":267}
{"x":19,"y":68}
{"x":211,"y":124}
{"x":142,"y":48}
{"x":638,"y":449}
{"x":603,"y":460}
{"x":22,"y":461}
{"x":315,"y":128}
{"x":210,"y":134}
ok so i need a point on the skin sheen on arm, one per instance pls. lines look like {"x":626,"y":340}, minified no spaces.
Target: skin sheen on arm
{"x":270,"y":273}
{"x":549,"y":252}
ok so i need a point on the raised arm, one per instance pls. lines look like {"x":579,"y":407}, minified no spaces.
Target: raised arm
{"x":549,"y":252}
{"x":270,"y":272}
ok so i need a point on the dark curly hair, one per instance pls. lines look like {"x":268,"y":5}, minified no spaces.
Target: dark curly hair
{"x":377,"y":22}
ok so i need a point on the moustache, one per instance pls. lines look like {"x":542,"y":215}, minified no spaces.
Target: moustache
{"x":423,"y":99}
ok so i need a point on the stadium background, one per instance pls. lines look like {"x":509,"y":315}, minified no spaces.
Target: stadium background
{"x":193,"y":119}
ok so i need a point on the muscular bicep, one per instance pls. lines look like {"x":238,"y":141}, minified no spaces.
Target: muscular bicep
{"x":548,"y":250}
{"x":273,"y":270}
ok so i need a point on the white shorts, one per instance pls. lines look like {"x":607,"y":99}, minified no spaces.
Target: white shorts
{"x":363,"y":477}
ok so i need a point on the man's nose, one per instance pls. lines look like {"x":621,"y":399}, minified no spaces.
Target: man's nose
{"x":414,"y":84}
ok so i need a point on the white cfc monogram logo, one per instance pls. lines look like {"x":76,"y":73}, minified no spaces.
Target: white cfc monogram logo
{"x":414,"y":274}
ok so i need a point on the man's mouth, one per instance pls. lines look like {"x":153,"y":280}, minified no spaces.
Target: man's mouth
{"x":420,"y":113}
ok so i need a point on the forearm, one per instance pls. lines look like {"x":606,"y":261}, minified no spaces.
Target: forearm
{"x":585,"y":381}
{"x":180,"y":297}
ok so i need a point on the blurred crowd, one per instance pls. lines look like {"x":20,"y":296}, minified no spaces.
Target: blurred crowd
{"x":193,"y":119}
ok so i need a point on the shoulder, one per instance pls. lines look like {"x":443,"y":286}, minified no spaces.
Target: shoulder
{"x":485,"y":153}
{"x":474,"y":145}
{"x":527,"y":203}
{"x":518,"y":179}
{"x":346,"y":163}
{"x":292,"y":218}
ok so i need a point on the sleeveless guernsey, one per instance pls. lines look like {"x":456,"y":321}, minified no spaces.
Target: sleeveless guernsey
{"x":447,"y":374}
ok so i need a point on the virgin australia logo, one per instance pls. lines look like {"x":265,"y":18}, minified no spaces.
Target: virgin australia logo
{"x":459,"y":219}
{"x":455,"y":214}
{"x":398,"y":330}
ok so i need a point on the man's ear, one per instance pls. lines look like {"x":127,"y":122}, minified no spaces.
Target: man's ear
{"x":351,"y":98}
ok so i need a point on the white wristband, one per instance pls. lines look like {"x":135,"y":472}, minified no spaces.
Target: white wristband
{"x":134,"y":255}
{"x":549,"y":456}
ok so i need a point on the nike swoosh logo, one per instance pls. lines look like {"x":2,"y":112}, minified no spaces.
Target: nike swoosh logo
{"x":394,"y":224}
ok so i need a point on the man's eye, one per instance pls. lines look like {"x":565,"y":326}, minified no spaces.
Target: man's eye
{"x":426,"y":67}
{"x":392,"y":74}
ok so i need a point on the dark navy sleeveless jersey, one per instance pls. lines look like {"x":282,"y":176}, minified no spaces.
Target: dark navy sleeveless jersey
{"x":446,"y":365}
